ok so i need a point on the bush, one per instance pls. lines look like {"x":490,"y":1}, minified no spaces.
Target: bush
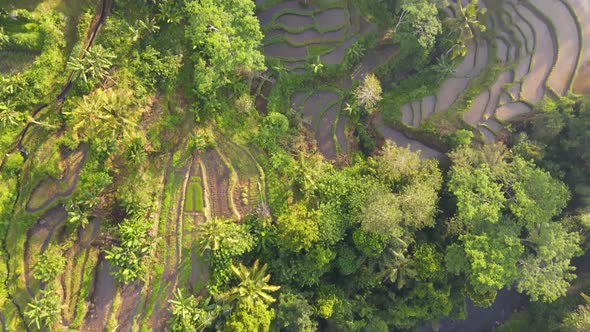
{"x":129,"y":255}
{"x":49,"y":265}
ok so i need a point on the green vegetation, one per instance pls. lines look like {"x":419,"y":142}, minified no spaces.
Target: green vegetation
{"x":166,"y":166}
{"x":193,"y":201}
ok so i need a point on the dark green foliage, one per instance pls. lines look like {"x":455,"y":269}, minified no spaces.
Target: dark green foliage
{"x":190,"y":313}
{"x":130,"y":255}
{"x":294,"y":314}
{"x":417,"y":29}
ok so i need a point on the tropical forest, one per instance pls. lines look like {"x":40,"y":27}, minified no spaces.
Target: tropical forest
{"x":295,"y":165}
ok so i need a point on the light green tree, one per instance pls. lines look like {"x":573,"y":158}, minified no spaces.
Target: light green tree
{"x":368,"y":94}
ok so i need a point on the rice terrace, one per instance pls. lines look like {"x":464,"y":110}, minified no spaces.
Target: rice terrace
{"x":295,"y":165}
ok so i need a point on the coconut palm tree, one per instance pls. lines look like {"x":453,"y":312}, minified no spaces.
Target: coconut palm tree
{"x":466,"y":22}
{"x":220,"y":234}
{"x":253,"y":284}
{"x":44,"y":310}
{"x":397,"y":269}
{"x":107,"y":114}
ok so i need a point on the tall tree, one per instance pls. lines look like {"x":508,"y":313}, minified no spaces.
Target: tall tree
{"x":225,"y":38}
{"x":417,"y":28}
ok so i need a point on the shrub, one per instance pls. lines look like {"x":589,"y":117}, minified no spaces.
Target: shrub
{"x":135,"y":244}
{"x":368,"y":94}
{"x":50,"y":264}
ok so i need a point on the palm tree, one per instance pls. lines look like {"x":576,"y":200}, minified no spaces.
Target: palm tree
{"x":466,"y":20}
{"x":465,"y":23}
{"x":190,"y":313}
{"x":398,"y":269}
{"x":444,"y":66}
{"x":253,"y":284}
{"x":212,"y":233}
{"x":106,"y":114}
{"x":8,"y":115}
{"x":43,"y":310}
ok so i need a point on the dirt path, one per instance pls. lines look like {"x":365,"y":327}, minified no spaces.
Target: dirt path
{"x":131,"y":295}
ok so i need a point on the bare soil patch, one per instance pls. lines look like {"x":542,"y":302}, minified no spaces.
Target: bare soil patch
{"x":218,"y":184}
{"x":407,"y":114}
{"x":416,"y":110}
{"x":511,"y":110}
{"x":315,"y":104}
{"x":284,"y":50}
{"x":567,"y":41}
{"x":323,"y":135}
{"x":267,"y":16}
{"x":295,"y":21}
{"x":39,"y":236}
{"x":582,"y":83}
{"x":50,"y":189}
{"x":337,"y":55}
{"x":375,"y":58}
{"x":402,"y":140}
{"x":308,"y":37}
{"x":496,"y":90}
{"x":477,"y":109}
{"x":450,"y":91}
{"x":331,"y":18}
{"x":131,"y":294}
{"x":341,"y":134}
{"x":101,"y":300}
{"x":428,"y":106}
{"x":468,"y":61}
{"x":533,"y":88}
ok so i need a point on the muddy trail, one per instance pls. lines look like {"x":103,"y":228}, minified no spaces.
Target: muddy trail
{"x":131,"y":295}
{"x":102,"y":12}
{"x":50,"y":188}
{"x":84,"y":241}
{"x":101,"y":298}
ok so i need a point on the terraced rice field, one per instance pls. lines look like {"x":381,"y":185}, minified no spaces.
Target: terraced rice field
{"x":297,"y":34}
{"x":540,"y":46}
